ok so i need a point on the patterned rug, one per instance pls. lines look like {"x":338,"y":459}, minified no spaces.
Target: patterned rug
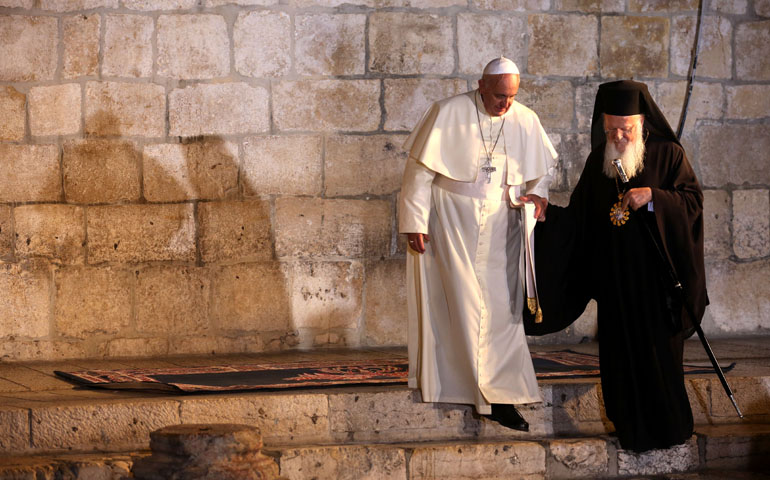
{"x":220,"y":378}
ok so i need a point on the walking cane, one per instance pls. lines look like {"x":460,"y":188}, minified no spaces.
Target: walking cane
{"x":677,"y":286}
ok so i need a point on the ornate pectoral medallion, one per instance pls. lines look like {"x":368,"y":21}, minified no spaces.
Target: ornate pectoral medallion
{"x":619,"y":216}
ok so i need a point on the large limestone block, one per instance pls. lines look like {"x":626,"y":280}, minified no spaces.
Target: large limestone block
{"x":720,"y":145}
{"x":553,"y":102}
{"x":513,"y":5}
{"x":218,"y":109}
{"x":740,"y":295}
{"x":133,"y":347}
{"x":206,"y":170}
{"x":235,"y":231}
{"x":101,"y":171}
{"x":54,"y":110}
{"x":219,"y":3}
{"x":80,"y":37}
{"x":737,"y":7}
{"x":406,"y":99}
{"x":330,"y":44}
{"x":740,"y":447}
{"x":573,"y":151}
{"x":262,"y":43}
{"x":585,"y":97}
{"x":715,"y":56}
{"x":680,"y":458}
{"x":634,"y":46}
{"x":385,"y":294}
{"x":25,"y":303}
{"x":662,"y":5}
{"x":125,"y":109}
{"x":116,"y":426}
{"x":55,"y":232}
{"x":706,"y":102}
{"x":479,"y":41}
{"x":150,"y":5}
{"x":397,"y":414}
{"x":344,"y":463}
{"x":13,"y":113}
{"x":572,"y":52}
{"x":591,"y":6}
{"x":128,"y":46}
{"x":34,"y":350}
{"x":92,"y":301}
{"x":410,"y":43}
{"x":282,"y":418}
{"x":748,"y":101}
{"x":485,"y":461}
{"x":359,"y":165}
{"x":578,"y":408}
{"x":319,"y":227}
{"x":762,"y":7}
{"x":30,"y":173}
{"x":26,"y":4}
{"x":193,"y":46}
{"x":751,"y":393}
{"x":29,"y":46}
{"x":751,"y":223}
{"x":716,"y":224}
{"x":6,"y":234}
{"x":587,"y":458}
{"x":750,"y":38}
{"x":75,"y":5}
{"x":351,"y":105}
{"x":14,"y":430}
{"x":282,"y":165}
{"x":212,"y":345}
{"x":326,"y":295}
{"x":375,"y":3}
{"x":141,"y":233}
{"x":250,"y":297}
{"x":172,"y":300}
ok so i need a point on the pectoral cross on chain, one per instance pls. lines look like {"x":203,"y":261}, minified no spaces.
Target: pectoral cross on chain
{"x":488,"y":169}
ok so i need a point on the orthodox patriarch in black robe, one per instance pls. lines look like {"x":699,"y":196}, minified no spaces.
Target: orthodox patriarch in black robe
{"x":582,"y":255}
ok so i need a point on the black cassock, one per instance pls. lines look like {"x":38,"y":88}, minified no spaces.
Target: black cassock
{"x":581,"y":255}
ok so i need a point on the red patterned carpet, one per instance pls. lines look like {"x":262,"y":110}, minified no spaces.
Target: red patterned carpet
{"x":548,"y":365}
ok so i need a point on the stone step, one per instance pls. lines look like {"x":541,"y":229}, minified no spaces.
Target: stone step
{"x":80,"y":420}
{"x":715,"y":452}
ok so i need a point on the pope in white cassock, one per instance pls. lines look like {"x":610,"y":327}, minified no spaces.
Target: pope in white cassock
{"x":475,"y":182}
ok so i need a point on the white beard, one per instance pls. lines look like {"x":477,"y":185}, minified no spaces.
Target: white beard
{"x":632,"y":158}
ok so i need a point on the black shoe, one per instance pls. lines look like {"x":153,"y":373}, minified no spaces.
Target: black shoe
{"x":508,"y":416}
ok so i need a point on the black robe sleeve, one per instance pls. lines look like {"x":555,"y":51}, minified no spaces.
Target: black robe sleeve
{"x":678,"y":207}
{"x":562,"y":267}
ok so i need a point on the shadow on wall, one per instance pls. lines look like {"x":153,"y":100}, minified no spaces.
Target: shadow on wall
{"x":195,"y":258}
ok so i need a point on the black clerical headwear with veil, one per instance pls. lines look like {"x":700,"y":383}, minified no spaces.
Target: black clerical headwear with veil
{"x":623,"y":98}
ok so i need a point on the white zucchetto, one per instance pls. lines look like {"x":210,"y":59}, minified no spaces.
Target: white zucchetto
{"x":500,"y":66}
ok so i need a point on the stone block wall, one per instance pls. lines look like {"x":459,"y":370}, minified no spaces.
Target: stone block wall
{"x":196,"y":176}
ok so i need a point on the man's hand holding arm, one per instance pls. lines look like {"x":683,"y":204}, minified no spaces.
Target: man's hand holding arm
{"x":541,"y":205}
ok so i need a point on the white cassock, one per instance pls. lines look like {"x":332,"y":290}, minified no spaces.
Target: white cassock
{"x":466,"y":292}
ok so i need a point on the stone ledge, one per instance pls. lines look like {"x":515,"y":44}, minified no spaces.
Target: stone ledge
{"x":715,"y":452}
{"x":87,"y":421}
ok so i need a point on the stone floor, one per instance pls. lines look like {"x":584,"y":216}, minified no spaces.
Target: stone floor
{"x":32,"y":389}
{"x":35,"y":382}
